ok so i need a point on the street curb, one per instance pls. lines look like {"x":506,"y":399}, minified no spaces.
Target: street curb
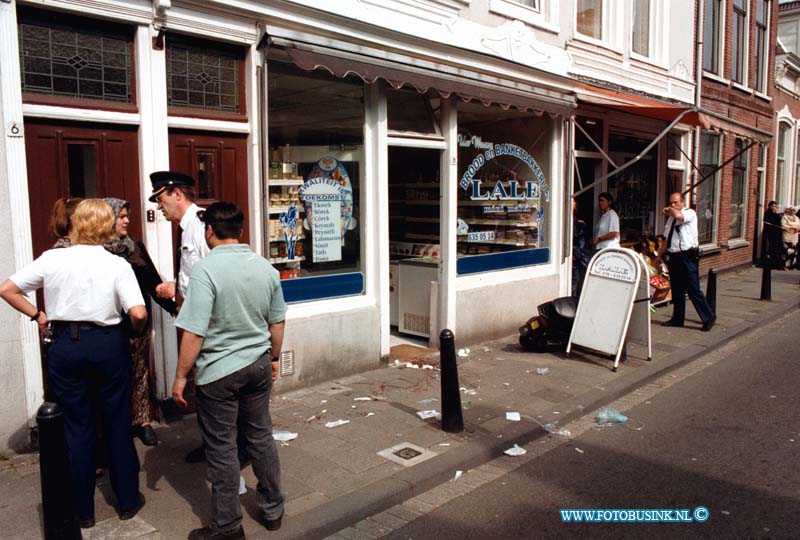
{"x":328,"y":518}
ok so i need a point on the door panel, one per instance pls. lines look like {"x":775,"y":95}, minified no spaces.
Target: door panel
{"x":218,"y":163}
{"x":78,"y":160}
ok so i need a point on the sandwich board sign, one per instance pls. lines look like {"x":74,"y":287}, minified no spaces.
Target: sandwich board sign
{"x":614,"y":304}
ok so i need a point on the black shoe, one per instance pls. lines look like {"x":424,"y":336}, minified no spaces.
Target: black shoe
{"x":206,"y":533}
{"x":86,"y":523}
{"x":273,"y":524}
{"x":198,"y":455}
{"x":146,"y":434}
{"x":129,"y":514}
{"x":670,"y":322}
{"x":709,"y":325}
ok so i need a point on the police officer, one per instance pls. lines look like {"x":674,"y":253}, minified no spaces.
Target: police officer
{"x":85,"y":291}
{"x":683,"y":246}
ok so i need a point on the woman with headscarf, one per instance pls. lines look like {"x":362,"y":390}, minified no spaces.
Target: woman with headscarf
{"x":144,"y":402}
{"x":86,"y":290}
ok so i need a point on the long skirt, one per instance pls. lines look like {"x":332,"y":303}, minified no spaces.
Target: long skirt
{"x":144,"y":398}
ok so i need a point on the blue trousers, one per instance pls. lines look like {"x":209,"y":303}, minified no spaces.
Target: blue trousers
{"x":95,"y":371}
{"x":684,"y":278}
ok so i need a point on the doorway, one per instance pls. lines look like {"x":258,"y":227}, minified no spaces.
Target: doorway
{"x":414,"y":183}
{"x":75,"y":160}
{"x":218,"y":164}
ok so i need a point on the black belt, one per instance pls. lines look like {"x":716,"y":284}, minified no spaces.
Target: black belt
{"x":75,"y":327}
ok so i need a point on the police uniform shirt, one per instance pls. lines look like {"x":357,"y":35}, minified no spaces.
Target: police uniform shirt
{"x":685,"y":235}
{"x":82,"y":283}
{"x":193,"y":246}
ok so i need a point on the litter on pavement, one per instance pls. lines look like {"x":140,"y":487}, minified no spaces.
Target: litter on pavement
{"x":428,"y":414}
{"x":457,"y":476}
{"x":336,"y":423}
{"x":284,"y":436}
{"x":463,"y":352}
{"x":513,"y":416}
{"x":428,"y":400}
{"x":611,"y":416}
{"x":516,"y":450}
{"x":551,"y":428}
{"x":542,"y":370}
{"x":362,"y":399}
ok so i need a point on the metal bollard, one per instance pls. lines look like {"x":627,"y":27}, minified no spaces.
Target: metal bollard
{"x":452,"y":419}
{"x":58,"y":511}
{"x":766,"y":279}
{"x":711,"y":290}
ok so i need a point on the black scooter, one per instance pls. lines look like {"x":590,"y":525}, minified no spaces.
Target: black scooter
{"x":553,"y":324}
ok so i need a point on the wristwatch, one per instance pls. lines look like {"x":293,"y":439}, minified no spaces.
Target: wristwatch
{"x":275,"y":358}
{"x":36,"y":315}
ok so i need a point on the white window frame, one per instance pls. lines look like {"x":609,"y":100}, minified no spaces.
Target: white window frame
{"x":716,"y":180}
{"x":745,"y":82}
{"x":720,"y":31}
{"x":747,"y":170}
{"x":650,"y":30}
{"x":544,"y":13}
{"x":761,"y":86}
{"x":778,"y":194}
{"x":605,"y":23}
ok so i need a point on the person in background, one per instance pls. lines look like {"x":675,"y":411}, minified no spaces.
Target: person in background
{"x":581,"y":252}
{"x":233,"y":322}
{"x":85,"y":291}
{"x":606,"y":232}
{"x":791,"y":227}
{"x":60,"y":220}
{"x":773,"y":237}
{"x":684,"y":251}
{"x":144,"y":399}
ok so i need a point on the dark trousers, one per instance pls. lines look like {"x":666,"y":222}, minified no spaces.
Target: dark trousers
{"x":239,"y":401}
{"x":95,"y":371}
{"x":684,"y":278}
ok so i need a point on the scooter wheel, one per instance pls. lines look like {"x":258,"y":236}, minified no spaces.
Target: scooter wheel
{"x":533,"y":343}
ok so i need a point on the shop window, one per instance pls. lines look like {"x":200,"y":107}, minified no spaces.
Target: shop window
{"x":782,"y":166}
{"x":713,"y":18}
{"x":633,"y":189}
{"x":676,"y":166}
{"x":412,"y":112}
{"x":738,"y":192}
{"x":739,"y":42}
{"x":316,"y":140}
{"x":762,"y":57}
{"x":593,"y":136}
{"x":640,"y":32}
{"x":66,"y":60}
{"x":589,"y":18}
{"x":504,"y":206}
{"x":706,"y":194}
{"x":204,"y":76}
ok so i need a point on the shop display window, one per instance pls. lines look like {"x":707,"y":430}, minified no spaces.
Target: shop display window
{"x":316,"y":137}
{"x":504,"y":199}
{"x":634,"y":188}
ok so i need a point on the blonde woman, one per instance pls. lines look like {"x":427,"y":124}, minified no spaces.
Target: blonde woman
{"x":85,"y":291}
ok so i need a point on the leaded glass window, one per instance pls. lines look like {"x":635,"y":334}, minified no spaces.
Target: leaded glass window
{"x":202,"y":76}
{"x":74,"y":61}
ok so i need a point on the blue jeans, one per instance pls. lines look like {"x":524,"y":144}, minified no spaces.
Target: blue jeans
{"x":97,"y":364}
{"x":684,"y":278}
{"x":240,"y":398}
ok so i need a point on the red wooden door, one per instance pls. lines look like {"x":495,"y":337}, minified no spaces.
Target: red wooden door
{"x":79,"y":160}
{"x":218,"y":163}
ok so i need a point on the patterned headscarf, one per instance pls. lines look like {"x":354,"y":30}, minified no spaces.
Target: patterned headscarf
{"x":120,"y":245}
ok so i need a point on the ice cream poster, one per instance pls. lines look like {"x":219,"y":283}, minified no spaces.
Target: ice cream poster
{"x":328,"y":200}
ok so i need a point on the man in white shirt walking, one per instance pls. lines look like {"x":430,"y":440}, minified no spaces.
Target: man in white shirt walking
{"x":683,"y":246}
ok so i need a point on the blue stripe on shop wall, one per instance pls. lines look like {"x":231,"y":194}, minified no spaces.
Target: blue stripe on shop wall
{"x":473,"y":264}
{"x":321,"y":287}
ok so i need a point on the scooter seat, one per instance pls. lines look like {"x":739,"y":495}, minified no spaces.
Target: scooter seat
{"x":566,"y":306}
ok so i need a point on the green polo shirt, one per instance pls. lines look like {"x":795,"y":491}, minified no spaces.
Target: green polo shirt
{"x":233,"y":295}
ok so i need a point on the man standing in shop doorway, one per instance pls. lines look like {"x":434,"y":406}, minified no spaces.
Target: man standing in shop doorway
{"x":175,"y":196}
{"x":233,"y":322}
{"x":684,"y":254}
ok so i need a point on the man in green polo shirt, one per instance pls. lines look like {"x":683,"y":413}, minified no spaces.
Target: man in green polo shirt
{"x":233,"y":322}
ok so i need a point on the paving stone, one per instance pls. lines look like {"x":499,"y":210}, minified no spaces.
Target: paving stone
{"x":404,"y":512}
{"x":386,"y":519}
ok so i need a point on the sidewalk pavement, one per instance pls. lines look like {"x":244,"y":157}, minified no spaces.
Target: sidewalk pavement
{"x":386,"y":453}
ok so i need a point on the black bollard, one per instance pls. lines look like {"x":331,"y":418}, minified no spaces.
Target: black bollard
{"x":766,"y":280}
{"x":452,"y":419}
{"x":58,"y":511}
{"x":711,"y":290}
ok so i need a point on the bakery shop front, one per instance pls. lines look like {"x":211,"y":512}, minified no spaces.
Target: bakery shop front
{"x":402,"y":192}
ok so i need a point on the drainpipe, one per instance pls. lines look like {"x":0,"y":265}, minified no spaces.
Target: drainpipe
{"x":698,"y":88}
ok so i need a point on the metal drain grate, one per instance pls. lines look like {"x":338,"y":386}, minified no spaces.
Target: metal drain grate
{"x":407,"y":453}
{"x":287,"y":363}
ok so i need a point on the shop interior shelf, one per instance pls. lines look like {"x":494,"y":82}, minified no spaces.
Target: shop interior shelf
{"x":434,"y":237}
{"x":285,"y":182}
{"x":281,"y":209}
{"x":282,"y":239}
{"x":279,"y":260}
{"x":418,"y":201}
{"x":511,"y":222}
{"x":462,"y":202}
{"x":499,"y":241}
